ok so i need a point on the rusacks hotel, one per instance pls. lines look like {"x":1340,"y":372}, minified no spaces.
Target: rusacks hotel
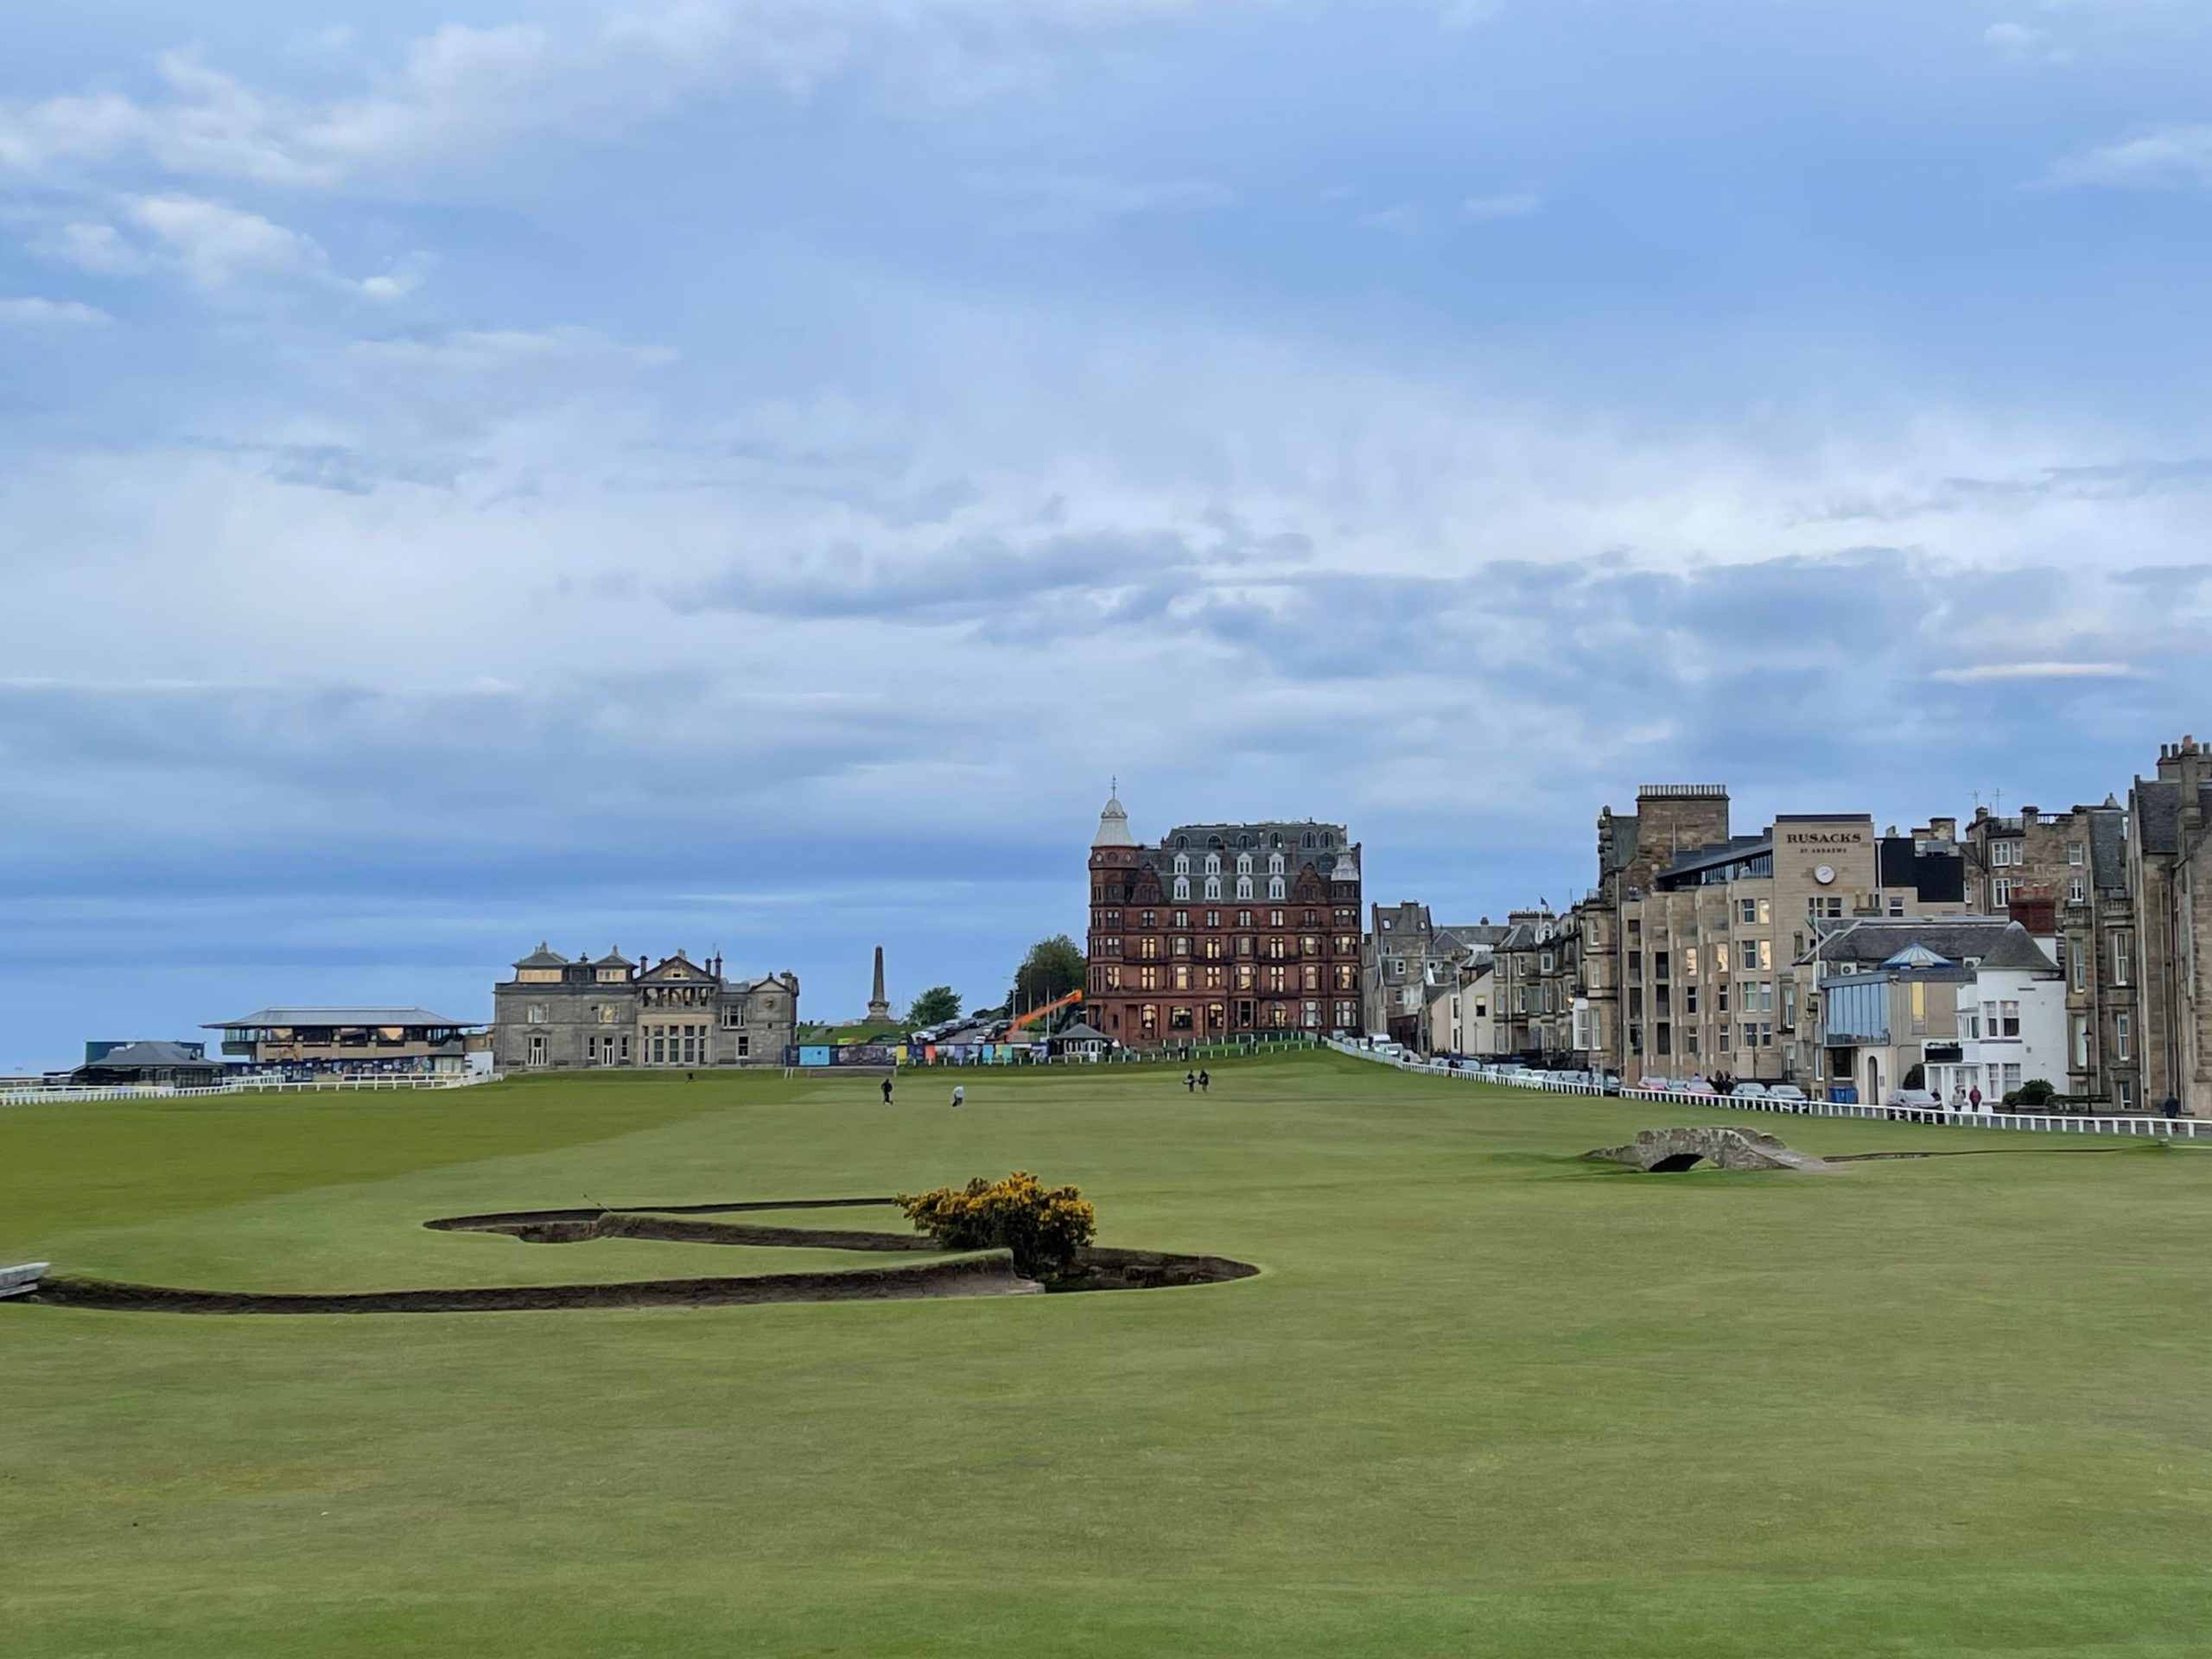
{"x":1701,"y":951}
{"x":1223,"y":930}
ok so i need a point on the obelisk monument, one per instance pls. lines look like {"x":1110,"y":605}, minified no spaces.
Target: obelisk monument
{"x":878,"y":1009}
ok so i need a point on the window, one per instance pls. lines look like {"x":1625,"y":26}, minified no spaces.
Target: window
{"x":2123,"y":1094}
{"x":2000,"y":891}
{"x":1276,"y":889}
{"x":1835,"y":907}
{"x":1182,"y":863}
{"x":1243,"y":918}
{"x":744,"y":1045}
{"x":2081,"y":967}
{"x":2008,"y":1019}
{"x":2010,"y":1082}
{"x":1182,"y":946}
{"x":2004,"y":853}
{"x":2120,"y":942}
{"x":1182,"y":977}
{"x":2080,"y":1042}
{"x":1659,"y":965}
{"x":1182,"y":888}
{"x":2075,"y":892}
{"x":1897,"y":906}
{"x":1720,"y":958}
{"x":1113,"y":977}
{"x":1148,"y":979}
{"x":1148,"y":948}
{"x":1748,"y":955}
{"x":1689,"y":963}
{"x":1720,"y":998}
{"x":626,"y":1049}
{"x":1178,"y":1020}
{"x":1243,"y":887}
{"x":1278,"y":979}
{"x":1544,"y":961}
{"x":1748,"y":910}
{"x":1213,"y":887}
{"x":1275,"y":918}
{"x":1213,"y":919}
{"x":2073,"y":852}
{"x":1215,"y":978}
{"x":2123,"y":1036}
{"x":1689,"y":999}
{"x":535,"y":1014}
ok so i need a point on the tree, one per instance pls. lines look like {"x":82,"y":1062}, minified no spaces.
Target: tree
{"x":1041,"y":1230}
{"x":1052,"y":969}
{"x":934,"y":1006}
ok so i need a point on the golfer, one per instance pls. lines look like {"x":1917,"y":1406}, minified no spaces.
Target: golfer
{"x":959,"y":1094}
{"x":886,"y":1091}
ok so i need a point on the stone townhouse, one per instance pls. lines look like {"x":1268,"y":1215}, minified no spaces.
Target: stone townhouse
{"x":2165,"y":1050}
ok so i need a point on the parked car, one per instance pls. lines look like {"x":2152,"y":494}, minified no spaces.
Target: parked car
{"x":1751,"y":1090}
{"x":1658,"y":1083}
{"x":1916,"y":1105}
{"x":1788,"y":1094}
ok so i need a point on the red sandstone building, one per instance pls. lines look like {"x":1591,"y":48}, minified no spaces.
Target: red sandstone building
{"x":1222,"y":930}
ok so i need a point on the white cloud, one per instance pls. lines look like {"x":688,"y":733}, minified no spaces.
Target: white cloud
{"x":2018,"y":42}
{"x":221,"y":247}
{"x":459,"y":93}
{"x":2167,"y":157}
{"x":1505,"y":206}
{"x":1078,"y":202}
{"x":497,"y":351}
{"x":50,"y":313}
{"x":91,"y":245}
{"x":1981,"y":671}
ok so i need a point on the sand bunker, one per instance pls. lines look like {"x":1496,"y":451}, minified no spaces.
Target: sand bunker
{"x":986,"y":1273}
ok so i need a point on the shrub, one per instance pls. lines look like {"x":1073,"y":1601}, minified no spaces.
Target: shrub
{"x":1915,"y":1078}
{"x":2036,"y":1091}
{"x":1041,"y":1229}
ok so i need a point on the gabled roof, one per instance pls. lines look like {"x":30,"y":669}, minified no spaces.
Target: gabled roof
{"x":261,"y":1019}
{"x":614,"y":958}
{"x":2016,"y":949}
{"x":678,"y":966}
{"x":542,"y":957}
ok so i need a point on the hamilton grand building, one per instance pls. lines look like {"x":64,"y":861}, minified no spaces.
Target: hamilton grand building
{"x":1222,"y":930}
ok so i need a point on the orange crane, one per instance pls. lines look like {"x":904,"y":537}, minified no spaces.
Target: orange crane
{"x":1042,"y":1008}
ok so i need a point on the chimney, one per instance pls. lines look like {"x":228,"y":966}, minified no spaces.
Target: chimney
{"x":1981,"y":813}
{"x":2035,"y":909}
{"x":2029,"y":815}
{"x":1943,"y":829}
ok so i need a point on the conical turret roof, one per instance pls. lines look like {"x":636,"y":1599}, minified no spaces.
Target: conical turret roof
{"x":1113,"y":825}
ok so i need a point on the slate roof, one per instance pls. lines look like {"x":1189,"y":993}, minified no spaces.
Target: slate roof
{"x":261,"y":1019}
{"x":2108,"y":847}
{"x":614,"y":958}
{"x":2015,"y":948}
{"x":1474,"y":938}
{"x":542,"y":957}
{"x":1872,"y":942}
{"x":145,"y":1054}
{"x":2158,"y":813}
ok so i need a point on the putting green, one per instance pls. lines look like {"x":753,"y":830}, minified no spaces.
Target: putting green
{"x":1484,"y":1398}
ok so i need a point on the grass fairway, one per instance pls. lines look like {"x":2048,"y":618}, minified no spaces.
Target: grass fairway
{"x":1484,"y":1400}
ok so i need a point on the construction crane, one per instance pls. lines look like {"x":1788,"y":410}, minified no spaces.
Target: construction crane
{"x":1042,"y":1008}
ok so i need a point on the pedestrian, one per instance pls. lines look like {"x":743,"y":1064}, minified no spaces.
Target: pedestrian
{"x":1958,"y":1098}
{"x":1190,"y":1083}
{"x":1974,"y":1097}
{"x":2173,"y":1106}
{"x":687,"y":1077}
{"x":886,"y":1091}
{"x":1205,"y":1082}
{"x":959,"y":1094}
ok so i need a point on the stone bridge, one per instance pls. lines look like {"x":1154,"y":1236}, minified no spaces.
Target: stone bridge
{"x":1667,"y":1151}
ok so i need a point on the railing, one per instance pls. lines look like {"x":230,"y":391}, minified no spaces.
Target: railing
{"x":2169,"y":1128}
{"x":1176,"y":1054}
{"x":65,"y":1096}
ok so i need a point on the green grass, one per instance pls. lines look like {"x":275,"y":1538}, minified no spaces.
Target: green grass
{"x":1485,"y":1399}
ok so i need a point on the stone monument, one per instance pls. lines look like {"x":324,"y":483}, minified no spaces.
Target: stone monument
{"x":878,"y":1009}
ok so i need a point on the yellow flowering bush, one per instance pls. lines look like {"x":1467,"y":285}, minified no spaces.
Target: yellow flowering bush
{"x":1041,"y":1227}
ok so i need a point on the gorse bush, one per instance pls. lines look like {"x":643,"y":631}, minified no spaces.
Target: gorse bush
{"x":1042,"y":1229}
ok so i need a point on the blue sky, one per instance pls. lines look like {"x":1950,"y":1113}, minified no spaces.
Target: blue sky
{"x":746,"y":473}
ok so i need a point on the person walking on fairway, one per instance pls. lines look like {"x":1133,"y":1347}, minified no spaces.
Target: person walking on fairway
{"x":1204,"y":1081}
{"x":1190,"y":1083}
{"x":886,"y":1091}
{"x":959,"y":1094}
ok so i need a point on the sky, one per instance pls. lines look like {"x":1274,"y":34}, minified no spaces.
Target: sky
{"x":748,"y":474}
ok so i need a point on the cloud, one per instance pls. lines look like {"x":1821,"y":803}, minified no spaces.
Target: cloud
{"x":1505,"y":206}
{"x":2166,"y":158}
{"x":461,"y":92}
{"x":220,"y":247}
{"x":504,"y":351}
{"x":1980,"y":672}
{"x":1064,"y":202}
{"x":91,"y":246}
{"x":49,"y":314}
{"x":2018,"y":42}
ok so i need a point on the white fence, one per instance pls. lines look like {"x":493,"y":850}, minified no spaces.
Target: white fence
{"x":66,"y":1096}
{"x":2168,"y":1128}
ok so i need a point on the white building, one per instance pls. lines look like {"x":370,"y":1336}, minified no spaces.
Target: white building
{"x":2011,"y":1024}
